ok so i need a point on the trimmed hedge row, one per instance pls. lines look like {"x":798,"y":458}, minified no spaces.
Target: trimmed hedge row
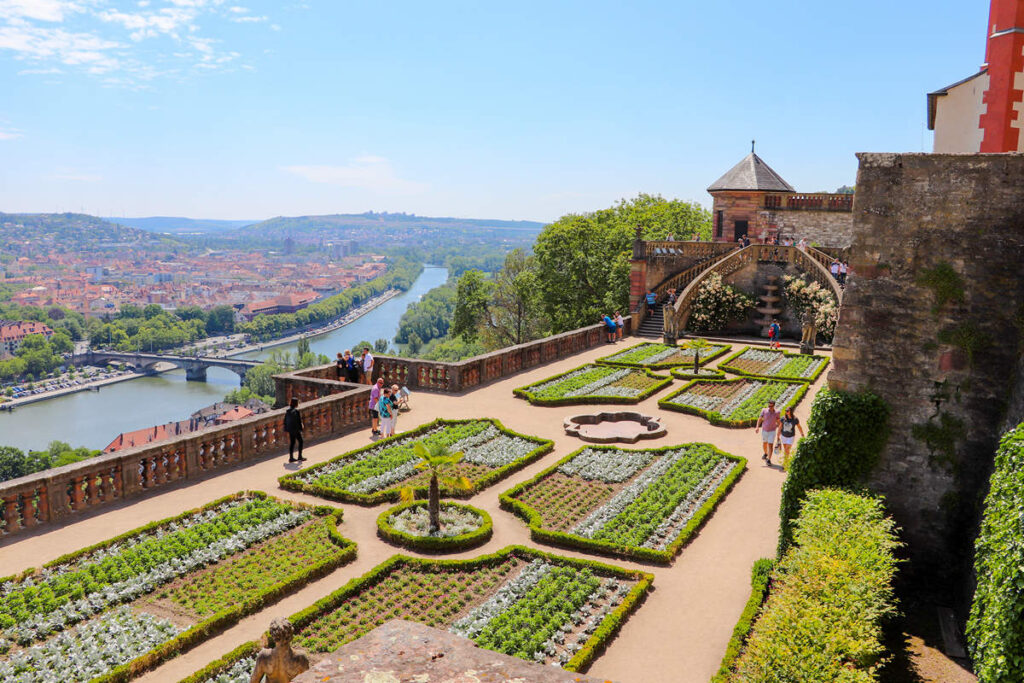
{"x":724,"y":365}
{"x":995,"y":629}
{"x":716,"y":418}
{"x":660,"y":366}
{"x":760,"y":581}
{"x":524,"y":392}
{"x":687,"y":373}
{"x":845,"y":436}
{"x":290,"y":481}
{"x":581,"y":659}
{"x":830,"y":596}
{"x":229,"y":617}
{"x":562,"y":539}
{"x":472,"y":539}
{"x":219,"y":666}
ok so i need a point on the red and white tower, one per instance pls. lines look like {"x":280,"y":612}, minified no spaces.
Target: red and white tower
{"x":985,"y":112}
{"x":1004,"y":59}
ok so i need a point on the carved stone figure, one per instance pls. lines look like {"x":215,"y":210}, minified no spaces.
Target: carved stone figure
{"x":279,"y":664}
{"x":809,"y":332}
{"x":670,"y":326}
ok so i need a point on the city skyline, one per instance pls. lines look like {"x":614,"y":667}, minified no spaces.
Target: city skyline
{"x":212,"y":109}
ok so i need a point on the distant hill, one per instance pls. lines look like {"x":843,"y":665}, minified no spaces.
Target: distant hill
{"x":339,"y":224}
{"x":176,"y":225}
{"x":69,"y":231}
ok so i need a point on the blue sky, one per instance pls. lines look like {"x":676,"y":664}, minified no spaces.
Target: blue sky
{"x":520,"y":110}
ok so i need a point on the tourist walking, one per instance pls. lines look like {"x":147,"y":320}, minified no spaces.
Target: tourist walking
{"x":375,"y":392}
{"x":834,"y":269}
{"x":843,"y":270}
{"x":774,"y":335}
{"x":394,"y":404}
{"x":652,"y":300}
{"x":620,"y":325}
{"x":386,"y":411}
{"x":293,"y":425}
{"x":767,"y":423}
{"x":788,"y":426}
{"x":609,"y":329}
{"x":352,"y":372}
{"x":802,"y":244}
{"x":339,"y":366}
{"x":367,"y":365}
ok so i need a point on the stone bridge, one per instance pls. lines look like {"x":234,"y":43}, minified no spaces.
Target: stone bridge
{"x":195,"y":366}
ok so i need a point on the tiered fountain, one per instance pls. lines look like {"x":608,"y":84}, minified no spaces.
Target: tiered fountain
{"x":769,"y":308}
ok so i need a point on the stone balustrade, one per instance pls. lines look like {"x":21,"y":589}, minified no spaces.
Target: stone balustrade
{"x":329,"y":408}
{"x":809,"y":202}
{"x":689,"y":249}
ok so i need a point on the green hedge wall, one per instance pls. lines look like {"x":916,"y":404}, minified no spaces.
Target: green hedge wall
{"x":846,"y":433}
{"x":995,"y":629}
{"x":830,"y":596}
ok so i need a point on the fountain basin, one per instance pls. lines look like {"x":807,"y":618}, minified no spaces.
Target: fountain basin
{"x":612,"y":426}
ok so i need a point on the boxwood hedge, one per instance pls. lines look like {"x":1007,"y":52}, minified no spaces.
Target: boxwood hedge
{"x":448,"y":544}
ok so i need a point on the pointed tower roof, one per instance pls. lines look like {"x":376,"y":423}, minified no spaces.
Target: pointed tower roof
{"x":751,"y":174}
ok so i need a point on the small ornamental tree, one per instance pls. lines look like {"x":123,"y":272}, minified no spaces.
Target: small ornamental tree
{"x":717,"y":304}
{"x":698,"y":346}
{"x":436,"y":458}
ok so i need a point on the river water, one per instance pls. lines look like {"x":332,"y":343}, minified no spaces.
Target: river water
{"x":93,"y":419}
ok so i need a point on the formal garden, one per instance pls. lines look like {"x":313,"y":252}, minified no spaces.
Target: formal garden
{"x":734,"y":402}
{"x":110,"y":611}
{"x":378,"y":472}
{"x":635,"y":504}
{"x":522,"y":602}
{"x":656,"y":356}
{"x":756,"y":362}
{"x":594,"y":383}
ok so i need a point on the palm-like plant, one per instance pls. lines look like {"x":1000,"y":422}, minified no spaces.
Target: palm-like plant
{"x":698,"y":346}
{"x":436,"y":458}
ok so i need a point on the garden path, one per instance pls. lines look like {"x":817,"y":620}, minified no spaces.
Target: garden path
{"x":678,"y":635}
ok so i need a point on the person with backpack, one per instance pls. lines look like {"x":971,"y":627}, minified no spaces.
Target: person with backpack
{"x":788,"y":426}
{"x":774,"y":335}
{"x":386,"y":411}
{"x":293,"y":426}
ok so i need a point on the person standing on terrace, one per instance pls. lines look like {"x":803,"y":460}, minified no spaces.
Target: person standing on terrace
{"x":386,"y":411}
{"x":293,"y":425}
{"x":351,"y":368}
{"x":375,"y":393}
{"x":620,"y":325}
{"x":767,"y":423}
{"x":609,"y":328}
{"x":339,"y":366}
{"x":367,"y":365}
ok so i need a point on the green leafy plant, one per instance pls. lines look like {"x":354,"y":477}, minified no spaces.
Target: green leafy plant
{"x":717,"y":304}
{"x":995,"y":629}
{"x":846,"y":433}
{"x":966,"y":337}
{"x":803,"y":295}
{"x":944,"y":282}
{"x":435,"y":459}
{"x":760,"y":580}
{"x":430,"y":543}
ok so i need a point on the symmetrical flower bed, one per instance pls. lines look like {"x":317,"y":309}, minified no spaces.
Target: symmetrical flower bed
{"x":636,"y":504}
{"x":377,"y":473}
{"x":734,"y":402}
{"x":462,"y":526}
{"x":594,"y":384}
{"x":654,"y":356}
{"x":767,"y":363}
{"x":705,"y":373}
{"x":207,"y":567}
{"x":519,"y":601}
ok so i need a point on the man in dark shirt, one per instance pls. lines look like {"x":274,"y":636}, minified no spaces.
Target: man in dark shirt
{"x":293,"y":425}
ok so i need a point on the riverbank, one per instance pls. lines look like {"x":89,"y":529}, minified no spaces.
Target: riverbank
{"x":10,"y":404}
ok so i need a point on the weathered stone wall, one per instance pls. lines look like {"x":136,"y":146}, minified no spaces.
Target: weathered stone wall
{"x":947,"y":371}
{"x":827,"y":228}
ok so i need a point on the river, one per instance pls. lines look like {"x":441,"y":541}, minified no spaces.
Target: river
{"x":93,"y":419}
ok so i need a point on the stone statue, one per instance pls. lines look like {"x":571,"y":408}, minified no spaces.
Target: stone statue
{"x":669,"y":324}
{"x":279,"y":664}
{"x":809,"y":332}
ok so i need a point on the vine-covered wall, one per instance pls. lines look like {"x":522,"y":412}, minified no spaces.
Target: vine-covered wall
{"x":931,"y":322}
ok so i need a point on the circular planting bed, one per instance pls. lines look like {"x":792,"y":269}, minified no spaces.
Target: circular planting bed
{"x":408,"y":525}
{"x":608,"y":427}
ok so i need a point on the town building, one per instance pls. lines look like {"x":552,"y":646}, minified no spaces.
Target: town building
{"x":985,"y":111}
{"x":13,"y":333}
{"x":752,"y":200}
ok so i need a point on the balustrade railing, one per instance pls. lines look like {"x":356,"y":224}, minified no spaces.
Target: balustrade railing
{"x":329,"y":408}
{"x":688,"y":249}
{"x":809,"y":202}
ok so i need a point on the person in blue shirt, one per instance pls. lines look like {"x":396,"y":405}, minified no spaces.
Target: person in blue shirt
{"x":775,"y":335}
{"x":386,"y":411}
{"x":609,"y":328}
{"x":652,"y":300}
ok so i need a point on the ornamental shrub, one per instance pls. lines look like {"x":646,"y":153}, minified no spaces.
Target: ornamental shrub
{"x":717,"y":304}
{"x":846,"y":433}
{"x":830,"y":596}
{"x":802,"y":295}
{"x":995,"y":629}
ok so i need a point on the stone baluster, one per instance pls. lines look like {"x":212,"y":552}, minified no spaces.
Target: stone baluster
{"x":11,"y":516}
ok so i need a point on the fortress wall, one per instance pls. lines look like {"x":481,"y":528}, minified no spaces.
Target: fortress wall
{"x":948,"y":374}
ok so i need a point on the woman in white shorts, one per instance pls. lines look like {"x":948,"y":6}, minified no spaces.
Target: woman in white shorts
{"x":788,"y":426}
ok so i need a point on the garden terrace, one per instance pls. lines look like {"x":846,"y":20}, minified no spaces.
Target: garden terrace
{"x":681,"y":629}
{"x":758,"y":362}
{"x":734,"y":402}
{"x":654,"y":356}
{"x":594,"y":383}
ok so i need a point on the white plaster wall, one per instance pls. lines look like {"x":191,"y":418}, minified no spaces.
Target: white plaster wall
{"x":957,"y":130}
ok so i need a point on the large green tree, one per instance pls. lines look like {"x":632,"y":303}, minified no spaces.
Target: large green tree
{"x":583,"y":259}
{"x":514,"y":311}
{"x":472,"y":294}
